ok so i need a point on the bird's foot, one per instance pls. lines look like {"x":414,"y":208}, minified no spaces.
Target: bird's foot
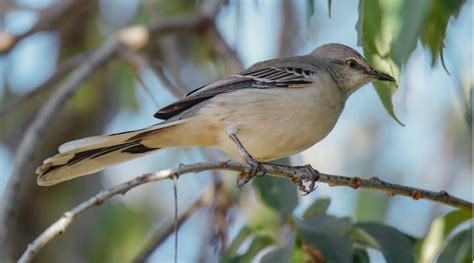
{"x":312,"y":181}
{"x":256,"y":168}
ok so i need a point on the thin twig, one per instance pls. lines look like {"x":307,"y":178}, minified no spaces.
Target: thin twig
{"x":288,"y":28}
{"x":220,"y":46}
{"x":295,"y":174}
{"x":138,"y":62}
{"x":177,"y":90}
{"x":162,"y":235}
{"x":175,"y":190}
{"x":37,"y":130}
{"x":64,"y":68}
{"x":47,"y":18}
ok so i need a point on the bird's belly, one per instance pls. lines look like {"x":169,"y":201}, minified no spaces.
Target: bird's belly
{"x":277,"y":142}
{"x":276,"y":123}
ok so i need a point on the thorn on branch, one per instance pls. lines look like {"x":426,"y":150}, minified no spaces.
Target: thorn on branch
{"x":98,"y":202}
{"x":444,"y":193}
{"x":416,"y":195}
{"x":225,"y":164}
{"x":175,"y":176}
{"x":355,"y":182}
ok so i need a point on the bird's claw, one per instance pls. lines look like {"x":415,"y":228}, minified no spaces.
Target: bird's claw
{"x":256,"y":168}
{"x":314,"y":178}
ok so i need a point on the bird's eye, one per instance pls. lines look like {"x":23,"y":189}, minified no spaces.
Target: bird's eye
{"x":351,"y":63}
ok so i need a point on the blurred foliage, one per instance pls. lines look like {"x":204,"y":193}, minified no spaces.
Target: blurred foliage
{"x":319,"y":237}
{"x":117,"y":217}
{"x":389,"y":31}
{"x":278,"y":193}
{"x":378,"y":205}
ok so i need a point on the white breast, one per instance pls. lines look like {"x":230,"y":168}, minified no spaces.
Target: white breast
{"x":274,"y":123}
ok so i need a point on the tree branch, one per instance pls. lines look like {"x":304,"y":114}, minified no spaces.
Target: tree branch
{"x":37,"y":129}
{"x":46,"y":18}
{"x":64,"y":68}
{"x":220,"y":46}
{"x":295,"y":174}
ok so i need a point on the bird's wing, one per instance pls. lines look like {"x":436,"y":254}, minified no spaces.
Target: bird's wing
{"x":259,"y":76}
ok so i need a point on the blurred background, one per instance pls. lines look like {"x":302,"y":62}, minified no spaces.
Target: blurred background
{"x":181,"y":45}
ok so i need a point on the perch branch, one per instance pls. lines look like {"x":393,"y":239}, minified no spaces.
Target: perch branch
{"x":296,"y":174}
{"x":37,"y":130}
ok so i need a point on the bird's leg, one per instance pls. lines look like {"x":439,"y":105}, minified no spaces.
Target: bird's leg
{"x":255,"y":166}
{"x":314,"y":178}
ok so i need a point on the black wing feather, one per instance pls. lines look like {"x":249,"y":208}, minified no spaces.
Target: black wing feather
{"x":259,"y":77}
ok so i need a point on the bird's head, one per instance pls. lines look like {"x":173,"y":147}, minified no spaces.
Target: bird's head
{"x":351,"y":70}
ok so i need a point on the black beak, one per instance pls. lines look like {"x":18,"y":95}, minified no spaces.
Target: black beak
{"x":382,"y":76}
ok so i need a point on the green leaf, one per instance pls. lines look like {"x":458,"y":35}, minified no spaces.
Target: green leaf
{"x":258,"y":243}
{"x":278,"y":193}
{"x":363,"y":239}
{"x":283,"y":254}
{"x":412,"y":15}
{"x":459,"y":248}
{"x":327,"y":234}
{"x":318,"y":207}
{"x":310,"y":8}
{"x":394,"y":245}
{"x":376,"y":46}
{"x":389,"y":32}
{"x":329,"y":7}
{"x":299,"y":255}
{"x":426,"y":20}
{"x":243,"y":234}
{"x":429,"y":246}
{"x":434,"y":30}
{"x":360,"y":256}
{"x":371,"y":205}
{"x":385,"y":91}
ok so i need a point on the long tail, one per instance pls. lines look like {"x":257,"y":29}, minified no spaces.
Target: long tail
{"x":89,"y":155}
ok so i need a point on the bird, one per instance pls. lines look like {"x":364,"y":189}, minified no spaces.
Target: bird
{"x":273,"y":109}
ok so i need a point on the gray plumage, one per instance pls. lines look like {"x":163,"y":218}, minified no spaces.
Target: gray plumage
{"x":276,"y":108}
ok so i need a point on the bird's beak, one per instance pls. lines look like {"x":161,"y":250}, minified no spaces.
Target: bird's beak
{"x":381,"y":76}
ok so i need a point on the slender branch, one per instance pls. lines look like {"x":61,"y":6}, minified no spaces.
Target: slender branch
{"x":64,"y":68}
{"x":220,"y":46}
{"x":160,"y":237}
{"x":141,"y":61}
{"x":37,"y":129}
{"x":289,"y":28}
{"x":295,"y":174}
{"x":175,"y":190}
{"x":138,"y":63}
{"x":47,"y":18}
{"x":177,"y":90}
